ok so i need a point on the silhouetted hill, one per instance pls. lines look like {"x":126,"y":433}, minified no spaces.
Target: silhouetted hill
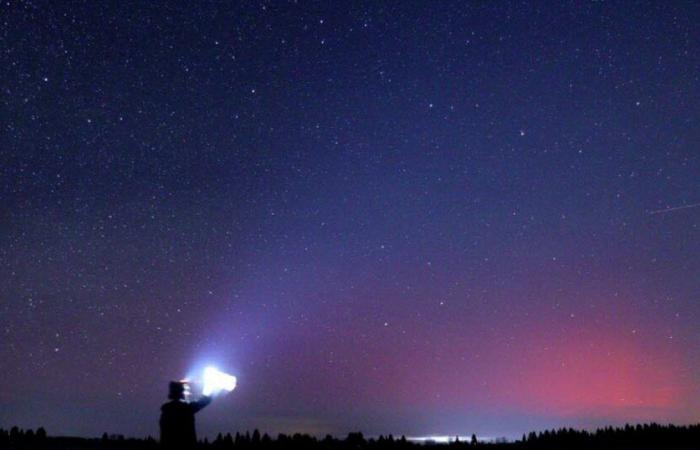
{"x":647,"y":436}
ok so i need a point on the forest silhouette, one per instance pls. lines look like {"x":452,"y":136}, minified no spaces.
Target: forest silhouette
{"x":646,"y":436}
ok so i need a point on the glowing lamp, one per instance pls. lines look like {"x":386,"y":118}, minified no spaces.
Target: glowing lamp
{"x":216,"y":381}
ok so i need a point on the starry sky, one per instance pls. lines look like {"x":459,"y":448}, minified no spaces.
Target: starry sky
{"x":395,"y":217}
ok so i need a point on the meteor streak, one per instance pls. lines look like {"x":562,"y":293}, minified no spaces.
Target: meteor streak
{"x":675,"y":208}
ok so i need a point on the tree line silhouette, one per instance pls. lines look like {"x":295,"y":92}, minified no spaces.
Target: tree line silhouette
{"x":646,"y":436}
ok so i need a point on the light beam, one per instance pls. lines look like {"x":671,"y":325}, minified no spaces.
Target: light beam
{"x":216,"y":381}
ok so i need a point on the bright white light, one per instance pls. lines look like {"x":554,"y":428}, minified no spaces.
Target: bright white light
{"x":216,"y":381}
{"x":438,"y":439}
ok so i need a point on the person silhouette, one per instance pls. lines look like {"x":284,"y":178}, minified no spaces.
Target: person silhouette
{"x":177,"y":430}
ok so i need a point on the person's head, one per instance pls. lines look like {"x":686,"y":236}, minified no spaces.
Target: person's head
{"x":177,"y":390}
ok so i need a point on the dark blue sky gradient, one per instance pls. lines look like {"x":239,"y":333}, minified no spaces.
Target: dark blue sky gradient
{"x":400,"y":217}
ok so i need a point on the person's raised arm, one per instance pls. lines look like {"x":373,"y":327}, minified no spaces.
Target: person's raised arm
{"x":201,"y":403}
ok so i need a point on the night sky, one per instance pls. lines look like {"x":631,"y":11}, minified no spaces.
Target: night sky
{"x":396,"y":217}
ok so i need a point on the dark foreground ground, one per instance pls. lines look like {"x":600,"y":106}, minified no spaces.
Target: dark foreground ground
{"x":647,"y":436}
